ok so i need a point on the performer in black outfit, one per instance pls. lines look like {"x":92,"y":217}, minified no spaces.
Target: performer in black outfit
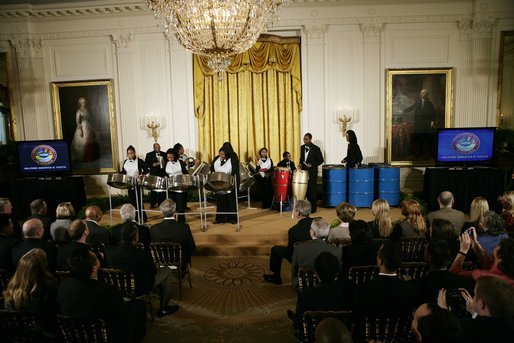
{"x":134,"y":167}
{"x":286,"y":162}
{"x":353,"y":157}
{"x":263,"y":177}
{"x":183,"y":157}
{"x":174,"y":166}
{"x":226,"y":162}
{"x":310,"y":158}
{"x":155,"y":161}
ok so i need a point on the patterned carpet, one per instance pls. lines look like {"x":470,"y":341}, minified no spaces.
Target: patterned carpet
{"x":229,"y":302}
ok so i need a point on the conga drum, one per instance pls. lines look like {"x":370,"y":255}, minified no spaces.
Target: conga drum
{"x":281,"y":183}
{"x":300,"y":183}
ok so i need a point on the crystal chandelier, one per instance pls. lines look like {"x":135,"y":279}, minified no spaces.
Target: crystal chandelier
{"x":216,"y":28}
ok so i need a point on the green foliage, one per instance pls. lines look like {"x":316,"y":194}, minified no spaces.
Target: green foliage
{"x":335,"y":222}
{"x":103,"y":203}
{"x":422,"y":203}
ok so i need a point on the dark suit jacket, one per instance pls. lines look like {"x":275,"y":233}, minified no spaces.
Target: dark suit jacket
{"x":150,"y":159}
{"x":299,"y":233}
{"x":385,"y":295}
{"x":283,"y":164}
{"x":423,"y":115}
{"x":169,"y":230}
{"x":353,"y":155}
{"x":66,"y":251}
{"x":128,"y":257}
{"x":97,"y":234}
{"x":430,"y":285}
{"x":28,"y":244}
{"x":6,"y":245}
{"x":143,"y":232}
{"x":486,"y":330}
{"x":46,"y":225}
{"x":315,"y":158}
{"x":360,"y":254}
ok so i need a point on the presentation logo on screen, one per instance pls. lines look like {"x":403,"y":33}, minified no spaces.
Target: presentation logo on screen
{"x":44,"y":155}
{"x":466,"y":143}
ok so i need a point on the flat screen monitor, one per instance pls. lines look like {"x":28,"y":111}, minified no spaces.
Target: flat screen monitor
{"x":45,"y":158}
{"x":466,"y":146}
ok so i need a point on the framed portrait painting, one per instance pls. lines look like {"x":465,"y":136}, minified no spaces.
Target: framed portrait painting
{"x":84,"y":116}
{"x":419,"y":101}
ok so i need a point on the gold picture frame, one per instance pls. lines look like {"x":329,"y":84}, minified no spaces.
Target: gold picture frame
{"x":418,"y":101}
{"x":84,"y":116}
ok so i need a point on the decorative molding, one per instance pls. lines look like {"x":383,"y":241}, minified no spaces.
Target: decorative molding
{"x":465,"y":28}
{"x":371,"y":31}
{"x":315,"y":31}
{"x":483,"y":27}
{"x":122,"y":40}
{"x":29,"y":47}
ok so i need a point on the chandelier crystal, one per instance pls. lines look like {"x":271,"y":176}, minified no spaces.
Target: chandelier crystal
{"x":216,"y":28}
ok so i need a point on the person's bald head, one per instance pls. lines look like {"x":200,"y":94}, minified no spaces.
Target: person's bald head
{"x":93,"y":213}
{"x":33,"y":228}
{"x":445,"y":199}
{"x":332,"y":330}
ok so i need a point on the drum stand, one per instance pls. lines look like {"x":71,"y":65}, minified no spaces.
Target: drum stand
{"x":137,"y":205}
{"x":237,"y":207}
{"x":281,"y":202}
{"x":110,"y":203}
{"x":249,"y":207}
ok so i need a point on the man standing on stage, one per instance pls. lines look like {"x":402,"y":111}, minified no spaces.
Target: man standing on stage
{"x":310,"y":158}
{"x":155,"y":162}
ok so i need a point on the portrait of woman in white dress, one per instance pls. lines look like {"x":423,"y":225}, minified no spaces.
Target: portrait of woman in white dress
{"x":84,"y":146}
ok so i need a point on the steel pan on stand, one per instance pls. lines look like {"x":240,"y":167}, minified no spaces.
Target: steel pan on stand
{"x":220,"y":183}
{"x":246,"y":182}
{"x":121,"y":181}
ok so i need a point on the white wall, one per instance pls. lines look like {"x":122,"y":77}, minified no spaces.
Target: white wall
{"x":346,"y":48}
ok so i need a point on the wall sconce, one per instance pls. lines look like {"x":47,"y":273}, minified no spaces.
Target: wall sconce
{"x":344,"y":116}
{"x":152,"y":122}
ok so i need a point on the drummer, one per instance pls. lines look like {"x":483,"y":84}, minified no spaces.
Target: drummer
{"x":134,"y":167}
{"x":226,"y":162}
{"x":175,"y":167}
{"x":155,"y":161}
{"x":189,"y":161}
{"x":263,"y":177}
{"x":287,"y":162}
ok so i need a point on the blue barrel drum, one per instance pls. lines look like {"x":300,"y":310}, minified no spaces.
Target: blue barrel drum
{"x":334,"y":184}
{"x":360,"y":190}
{"x":388,"y":184}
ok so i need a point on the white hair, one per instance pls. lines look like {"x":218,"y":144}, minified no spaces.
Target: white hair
{"x":168,"y":208}
{"x":320,"y":227}
{"x":128,"y":212}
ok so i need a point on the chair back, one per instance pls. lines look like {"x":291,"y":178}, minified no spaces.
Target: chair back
{"x":301,"y":242}
{"x":5,"y":277}
{"x":74,"y":330}
{"x":62,"y":274}
{"x":307,"y":278}
{"x":412,"y":270}
{"x":140,"y":246}
{"x":340,"y":242}
{"x":311,"y":320}
{"x":413,"y":249}
{"x":19,"y":327}
{"x":97,"y":248}
{"x":388,"y":329}
{"x":123,"y":280}
{"x":166,"y":253}
{"x":361,"y":274}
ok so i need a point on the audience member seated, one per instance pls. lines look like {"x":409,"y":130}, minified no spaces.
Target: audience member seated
{"x":169,"y":230}
{"x":84,"y":296}
{"x":305,"y":254}
{"x":332,"y":330}
{"x":345,"y":212}
{"x":438,"y":257}
{"x":78,"y":233}
{"x":413,"y":226}
{"x":492,"y":231}
{"x":363,"y":250}
{"x":492,"y":310}
{"x":127,"y":256}
{"x":382,"y":226}
{"x":128,"y":214}
{"x":507,"y":215}
{"x":6,"y":242}
{"x":6,"y":208}
{"x":479,"y":206}
{"x":432,"y":324}
{"x":33,"y":289}
{"x":38,"y":210}
{"x":33,"y":238}
{"x":329,"y":295}
{"x":97,"y":234}
{"x":456,"y":217}
{"x":64,"y":215}
{"x":500,"y":265}
{"x":298,"y":233}
{"x":386,"y":293}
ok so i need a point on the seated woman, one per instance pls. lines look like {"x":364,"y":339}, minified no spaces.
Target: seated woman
{"x":382,"y":226}
{"x":491,"y":231}
{"x":442,"y":229}
{"x":345,"y":212}
{"x":363,"y":250}
{"x":175,"y":167}
{"x":479,"y":206}
{"x":508,"y":210}
{"x":64,"y":215}
{"x":500,"y":265}
{"x":33,"y":289}
{"x":414,"y":225}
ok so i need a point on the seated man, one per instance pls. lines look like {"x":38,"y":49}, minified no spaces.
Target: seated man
{"x":329,"y":295}
{"x":298,"y":233}
{"x":386,"y":293}
{"x":128,"y":214}
{"x":78,"y":233}
{"x":432,"y":324}
{"x":38,"y":210}
{"x":6,"y":208}
{"x":169,"y":230}
{"x":363,"y":250}
{"x":456,"y":217}
{"x":33,"y":238}
{"x":97,"y":234}
{"x":6,"y":242}
{"x":287,"y":162}
{"x":84,"y":296}
{"x":305,"y":254}
{"x":127,"y":256}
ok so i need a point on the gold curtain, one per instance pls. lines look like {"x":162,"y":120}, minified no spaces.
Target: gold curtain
{"x":257,"y":104}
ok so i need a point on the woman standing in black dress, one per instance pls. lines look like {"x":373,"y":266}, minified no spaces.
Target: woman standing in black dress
{"x":354,"y":155}
{"x":135,"y":167}
{"x":226,"y":162}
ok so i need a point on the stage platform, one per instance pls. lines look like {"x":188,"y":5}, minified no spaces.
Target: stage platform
{"x":260,"y":229}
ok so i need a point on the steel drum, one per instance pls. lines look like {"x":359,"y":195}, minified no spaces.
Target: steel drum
{"x":300,"y":183}
{"x":251,"y":167}
{"x":152,"y":183}
{"x":282,"y":183}
{"x":181,"y":183}
{"x":246,"y":179}
{"x":219,"y":183}
{"x":203,"y":168}
{"x":121,"y":181}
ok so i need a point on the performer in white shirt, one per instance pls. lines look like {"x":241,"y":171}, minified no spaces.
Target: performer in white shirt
{"x":174,"y":167}
{"x":228,"y":163}
{"x":264,"y":177}
{"x":135,"y":167}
